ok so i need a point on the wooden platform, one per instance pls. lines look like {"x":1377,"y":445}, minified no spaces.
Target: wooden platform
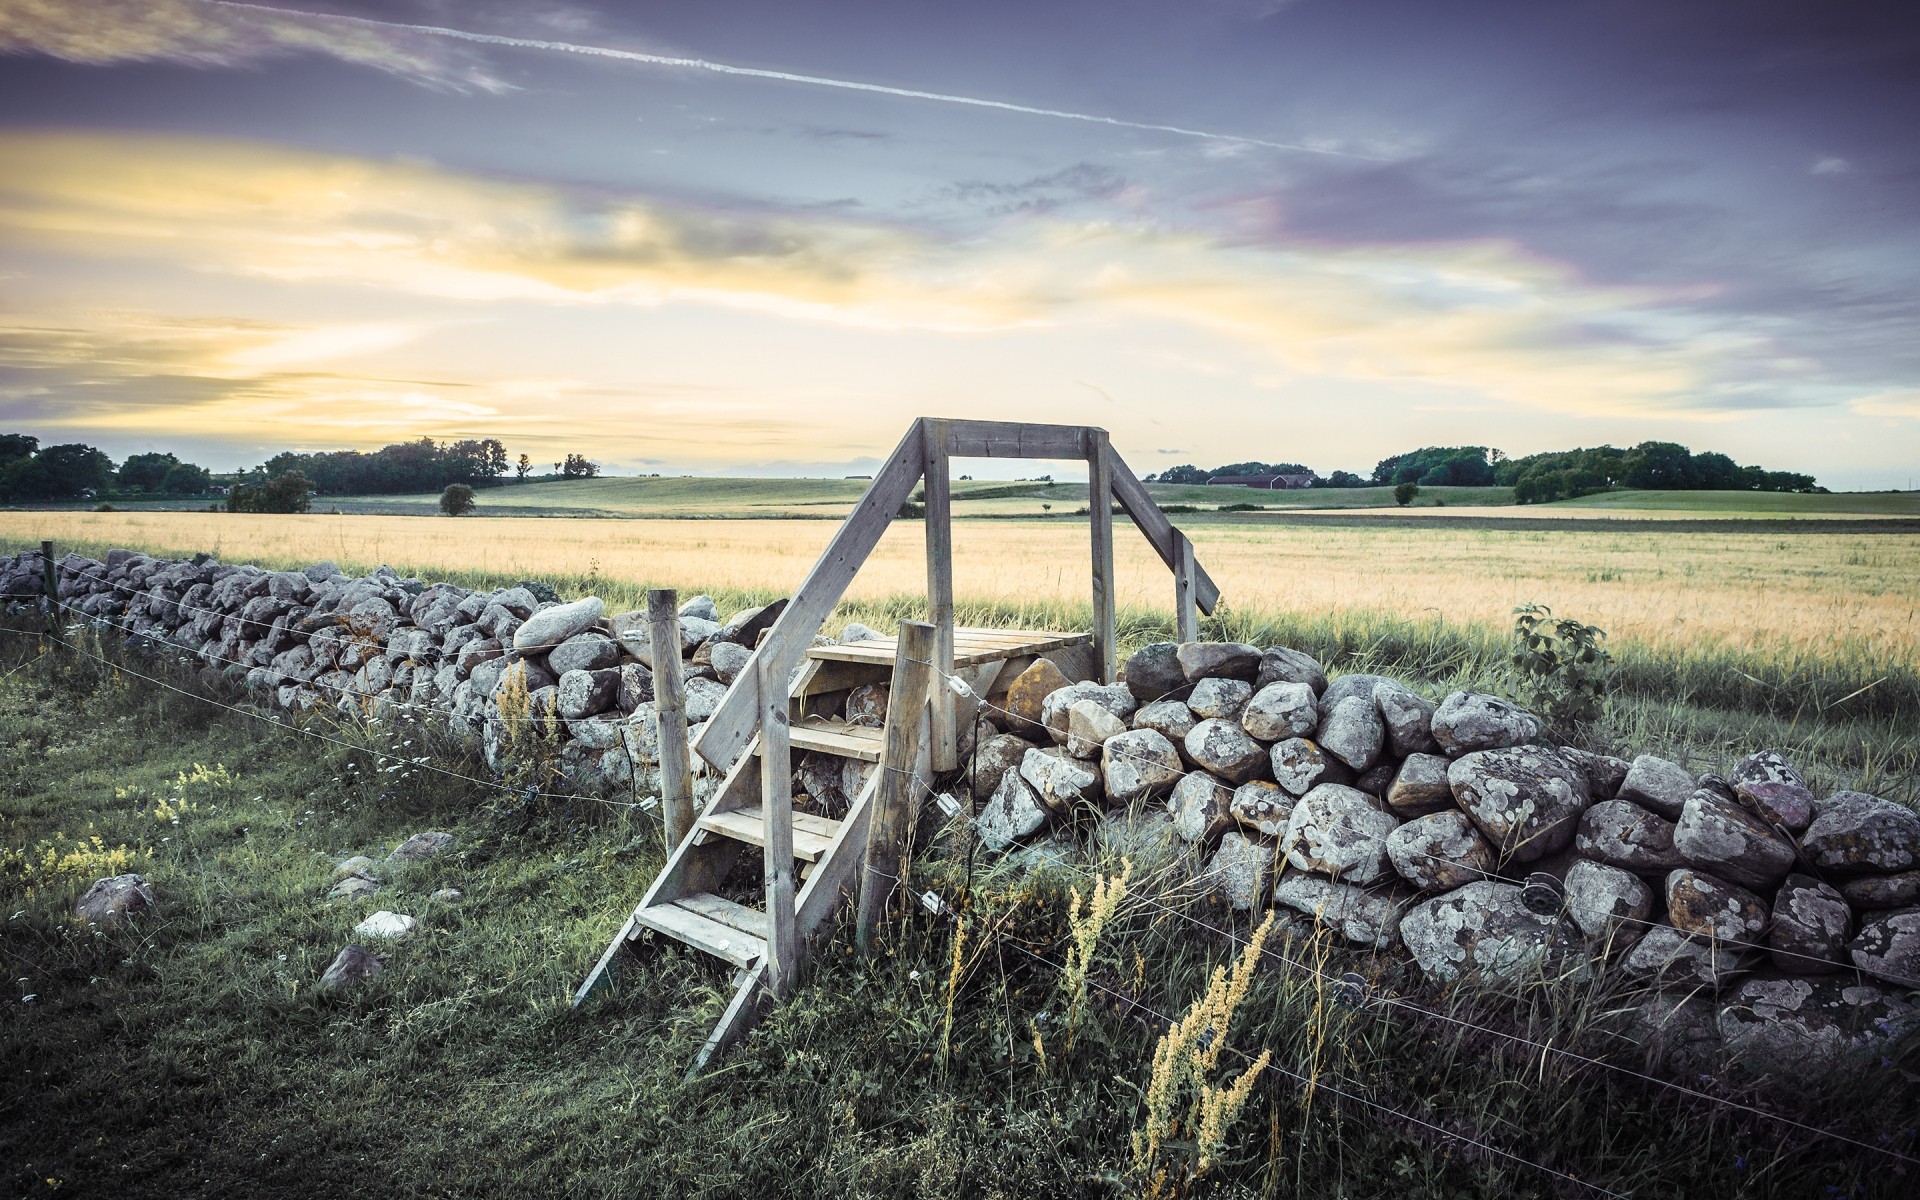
{"x":829,"y":736}
{"x":971,"y":647}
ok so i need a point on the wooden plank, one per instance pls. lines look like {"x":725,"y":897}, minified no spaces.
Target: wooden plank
{"x":1132,"y":495}
{"x":776,"y":818}
{"x":748,"y":1004}
{"x":670,"y":706}
{"x":733,"y":723}
{"x":1186,"y":621}
{"x":1100,"y":517}
{"x":833,"y":676}
{"x":969,"y":649}
{"x":939,"y":530}
{"x":750,"y":921}
{"x":888,"y":823}
{"x":703,"y":933}
{"x":745,"y":825}
{"x":1014,"y":439}
{"x":829,"y":737}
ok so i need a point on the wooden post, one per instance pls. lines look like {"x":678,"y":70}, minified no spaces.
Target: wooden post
{"x":946,"y":737}
{"x":1100,"y":509}
{"x":776,"y":815}
{"x":1186,"y":616}
{"x":893,"y":798}
{"x":50,"y":583}
{"x":670,"y":709}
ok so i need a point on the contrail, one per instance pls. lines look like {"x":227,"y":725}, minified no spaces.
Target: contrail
{"x":701,"y":64}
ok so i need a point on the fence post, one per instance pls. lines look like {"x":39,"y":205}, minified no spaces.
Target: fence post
{"x":776,"y":816}
{"x":892,"y":800}
{"x":670,"y":710}
{"x":939,"y":531}
{"x":1186,"y":617}
{"x":1100,"y":510}
{"x":50,"y":583}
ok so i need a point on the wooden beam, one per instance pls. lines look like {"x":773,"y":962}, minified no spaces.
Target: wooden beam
{"x":1013,"y":439}
{"x":894,"y":798}
{"x":1132,"y":495}
{"x":776,"y":811}
{"x":939,"y":528}
{"x":1100,"y":515}
{"x":734,"y":721}
{"x":1186,"y":621}
{"x":670,"y":709}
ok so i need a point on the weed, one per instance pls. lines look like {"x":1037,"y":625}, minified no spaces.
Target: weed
{"x":1562,"y":666}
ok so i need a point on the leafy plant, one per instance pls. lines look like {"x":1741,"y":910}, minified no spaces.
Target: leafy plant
{"x":1404,"y":493}
{"x":456,"y":500}
{"x":1562,"y":666}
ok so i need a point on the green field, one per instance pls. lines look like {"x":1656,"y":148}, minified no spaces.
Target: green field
{"x":1770,"y":504}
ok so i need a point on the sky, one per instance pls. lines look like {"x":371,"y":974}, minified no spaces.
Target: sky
{"x":752,"y":237}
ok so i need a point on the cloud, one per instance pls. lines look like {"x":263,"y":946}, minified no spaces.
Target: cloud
{"x":1830,"y":166}
{"x":197,"y":34}
{"x":1900,"y":402}
{"x":1041,"y":193}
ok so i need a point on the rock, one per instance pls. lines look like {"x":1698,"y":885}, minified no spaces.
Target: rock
{"x":1858,"y":834}
{"x":1665,"y":954}
{"x":1280,"y":710}
{"x":1172,"y":718}
{"x":388,"y":925}
{"x":1220,"y":698}
{"x":585,"y":693}
{"x":703,"y":697}
{"x":1088,"y":728}
{"x":589,"y":651}
{"x":1365,"y":917}
{"x":1888,"y":946}
{"x":1470,"y":721}
{"x":1439,"y":852}
{"x":1059,"y":779}
{"x":745,"y":627}
{"x":114,"y":899}
{"x":1341,"y":832}
{"x":353,"y":887}
{"x":1353,"y":732}
{"x":1299,"y":766}
{"x":1709,"y":782}
{"x":1138,"y":765}
{"x":1112,"y":697}
{"x":1014,"y":813}
{"x":1027,"y":698}
{"x":1222,"y":747}
{"x":1787,"y":805}
{"x":703,"y":607}
{"x":1609,"y":905}
{"x":1239,"y":869}
{"x":1201,"y":808}
{"x":1482,"y":930}
{"x":472,"y":654}
{"x":1604,"y":772}
{"x":352,"y":965}
{"x":866,"y":704}
{"x":1262,"y":808}
{"x":1153,"y":673}
{"x":1767,"y":766}
{"x":359,"y":864}
{"x":1527,"y":800}
{"x":1218,"y":660}
{"x":819,"y":777}
{"x":1882,"y":891}
{"x":1731,"y":842}
{"x":1656,"y":784}
{"x":448,"y":895}
{"x":1810,"y":926}
{"x":1622,"y":834}
{"x":856,"y":632}
{"x":1811,"y":1029}
{"x":421,"y":846}
{"x":1375,"y":780}
{"x":1279,"y":664}
{"x":373,"y":617}
{"x":696,"y":632}
{"x":1700,"y":904}
{"x":728,"y":659}
{"x":1408,"y":719}
{"x":551,"y":626}
{"x":1420,"y":786}
{"x":994,"y":757}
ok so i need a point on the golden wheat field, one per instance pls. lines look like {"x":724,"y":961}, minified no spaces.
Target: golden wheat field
{"x":1833,"y":595}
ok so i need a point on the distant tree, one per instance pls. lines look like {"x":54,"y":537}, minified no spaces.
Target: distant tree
{"x":523,"y":469}
{"x":184,"y":479}
{"x":1456,"y":466}
{"x":288,"y":492}
{"x":1404,"y":493}
{"x":1342,"y":479}
{"x":556,"y":468}
{"x":456,"y":500}
{"x":63,"y":472}
{"x":147,"y":471}
{"x":578,"y":466}
{"x":15,"y":446}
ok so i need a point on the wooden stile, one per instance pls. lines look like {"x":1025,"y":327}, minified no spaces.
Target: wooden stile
{"x":939,"y":530}
{"x":776,"y":814}
{"x":1186,"y":622}
{"x":894,"y":798}
{"x":670,"y":713}
{"x":1100,"y":514}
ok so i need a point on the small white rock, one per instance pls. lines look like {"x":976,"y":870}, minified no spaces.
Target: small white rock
{"x":384,"y":924}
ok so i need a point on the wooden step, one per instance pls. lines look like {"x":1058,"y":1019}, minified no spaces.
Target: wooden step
{"x":750,"y":921}
{"x":812,"y":834}
{"x":703,"y":933}
{"x":971,"y":647}
{"x":829,"y":736}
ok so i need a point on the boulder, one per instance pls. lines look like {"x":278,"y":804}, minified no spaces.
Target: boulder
{"x":473,"y":653}
{"x":1766,"y":766}
{"x":1777,"y":802}
{"x":1262,"y":808}
{"x":1201,"y":807}
{"x":1723,"y":838}
{"x":1153,"y":673}
{"x":551,"y":626}
{"x":1622,"y":834}
{"x":1408,"y":718}
{"x":584,"y":693}
{"x":702,"y":698}
{"x":1218,"y":660}
{"x":1222,"y":747}
{"x":1366,"y":917}
{"x":589,"y":651}
{"x":1341,"y":832}
{"x":358,"y":864}
{"x":1280,"y":710}
{"x":114,"y":899}
{"x":1882,"y":891}
{"x":1811,"y":922}
{"x":1811,"y":1029}
{"x":1609,"y":905}
{"x":866,"y":704}
{"x":1352,"y":731}
{"x":1238,"y":870}
{"x":352,"y":965}
{"x":1088,"y":728}
{"x":745,"y":627}
{"x":388,"y":926}
{"x":353,"y":887}
{"x":422,"y":846}
{"x":1888,"y":946}
{"x":1053,"y":710}
{"x":1666,"y":955}
{"x":728,"y":659}
{"x":1220,"y":698}
{"x":1375,"y":780}
{"x":1279,"y":664}
{"x":703,"y":607}
{"x":1171,"y":717}
{"x":1527,"y":800}
{"x":1014,"y":813}
{"x":854,"y":631}
{"x":1139,"y":764}
{"x":1439,"y":852}
{"x":1420,"y":786}
{"x":994,"y":757}
{"x":1483,"y":931}
{"x":1711,"y":908}
{"x":1470,"y":721}
{"x":1059,"y":779}
{"x":1858,"y":834}
{"x":1299,"y":766}
{"x":1656,"y":784}
{"x":1604,"y":772}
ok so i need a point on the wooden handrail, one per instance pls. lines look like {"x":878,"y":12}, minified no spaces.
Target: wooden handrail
{"x":1159,"y":532}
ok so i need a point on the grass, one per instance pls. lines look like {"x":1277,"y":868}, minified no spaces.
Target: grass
{"x":1783,"y":504}
{"x":191,"y":1055}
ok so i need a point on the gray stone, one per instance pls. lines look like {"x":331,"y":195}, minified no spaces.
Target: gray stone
{"x":1665,"y":954}
{"x":585,"y":693}
{"x":1767,"y":766}
{"x":1470,"y":721}
{"x":1281,"y":664}
{"x":1153,"y":673}
{"x":1352,"y":731}
{"x":114,"y":899}
{"x":1218,"y":660}
{"x":1888,"y":946}
{"x":1200,"y":807}
{"x":551,"y":626}
{"x":1622,"y":834}
{"x":1299,"y":765}
{"x":373,"y":617}
{"x":703,"y":697}
{"x":1220,"y":698}
{"x":1439,"y":852}
{"x":448,"y":895}
{"x":866,"y":704}
{"x":352,"y":965}
{"x":1239,"y":869}
{"x":729,"y":659}
{"x":359,"y":864}
{"x":1777,"y":802}
{"x":1375,"y":780}
{"x":1811,"y":1029}
{"x":1088,"y":728}
{"x":1483,"y":931}
{"x":1139,"y":764}
{"x":1408,"y":718}
{"x":1112,"y":697}
{"x":1604,"y":772}
{"x":1013,"y":814}
{"x":1882,"y":891}
{"x":1711,"y":908}
{"x":1731,"y":842}
{"x":1610,"y":906}
{"x":1338,"y":831}
{"x":1281,"y":710}
{"x":856,"y":632}
{"x":1420,"y":786}
{"x":1366,"y":917}
{"x":1527,"y":800}
{"x":422,"y":846}
{"x":353,"y":887}
{"x":1810,"y":926}
{"x":388,"y":926}
{"x":472,"y":654}
{"x":1656,"y":784}
{"x":1172,"y":718}
{"x":1059,"y":779}
{"x":589,"y":651}
{"x":1858,"y":834}
{"x":995,"y":756}
{"x":702,"y":607}
{"x":636,"y":686}
{"x":1262,"y":808}
{"x":745,"y":627}
{"x":1222,"y":747}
